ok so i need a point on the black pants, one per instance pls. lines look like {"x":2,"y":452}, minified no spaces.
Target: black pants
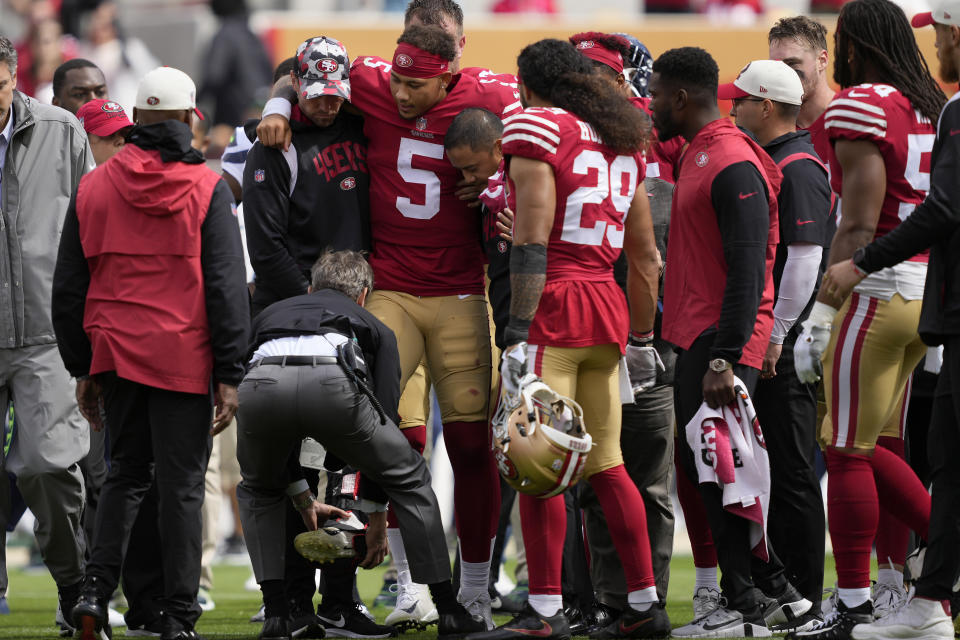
{"x":646,"y":440}
{"x":787,"y":410}
{"x":142,"y":574}
{"x":941,"y":563}
{"x":162,"y":436}
{"x":731,"y":534}
{"x":93,"y":466}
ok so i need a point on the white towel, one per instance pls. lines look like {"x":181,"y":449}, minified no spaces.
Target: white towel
{"x":730,"y":451}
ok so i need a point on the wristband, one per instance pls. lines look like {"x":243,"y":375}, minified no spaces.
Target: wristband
{"x":277,"y":106}
{"x":303,"y":503}
{"x":517,"y":330}
{"x":638,"y":339}
{"x":860,"y":272}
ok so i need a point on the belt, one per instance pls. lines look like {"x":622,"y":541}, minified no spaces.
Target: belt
{"x":296,"y":361}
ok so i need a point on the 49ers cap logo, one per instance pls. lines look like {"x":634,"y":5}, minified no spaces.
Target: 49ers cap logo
{"x":403,"y":60}
{"x":702,"y":159}
{"x":327,"y":65}
{"x":153,"y":101}
{"x":348,"y":183}
{"x":111,"y":107}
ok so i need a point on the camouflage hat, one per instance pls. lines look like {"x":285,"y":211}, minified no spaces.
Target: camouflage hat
{"x":323,"y":68}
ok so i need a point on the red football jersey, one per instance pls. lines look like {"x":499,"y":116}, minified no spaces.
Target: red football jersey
{"x":581,"y":303}
{"x":662,"y":157}
{"x":882,"y":115}
{"x":425,"y":240}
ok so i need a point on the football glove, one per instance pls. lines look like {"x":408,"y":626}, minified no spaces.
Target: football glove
{"x":343,"y":538}
{"x":813,"y":341}
{"x":643,"y":363}
{"x":513,"y":367}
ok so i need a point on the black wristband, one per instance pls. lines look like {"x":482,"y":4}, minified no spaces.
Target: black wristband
{"x":517,"y":330}
{"x":528,"y":259}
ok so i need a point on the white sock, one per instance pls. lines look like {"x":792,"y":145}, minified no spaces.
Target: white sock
{"x":854,"y":597}
{"x":399,"y":555}
{"x":891,"y":577}
{"x":705,"y":577}
{"x":546,"y":605}
{"x":642,"y":599}
{"x":474,"y":576}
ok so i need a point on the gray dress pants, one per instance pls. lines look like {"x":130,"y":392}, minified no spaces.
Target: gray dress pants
{"x":281,"y":405}
{"x":50,"y":438}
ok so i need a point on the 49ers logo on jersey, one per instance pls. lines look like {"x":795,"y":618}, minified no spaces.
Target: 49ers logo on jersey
{"x":348,"y":183}
{"x":327,"y":65}
{"x":504,"y":465}
{"x":403,"y":60}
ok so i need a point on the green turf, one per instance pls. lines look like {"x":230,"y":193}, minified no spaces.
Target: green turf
{"x":33,"y":602}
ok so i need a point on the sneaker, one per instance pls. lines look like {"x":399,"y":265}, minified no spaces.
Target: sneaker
{"x":913,"y":565}
{"x":829,"y":603}
{"x":4,"y":607}
{"x":887,"y":598}
{"x":349,"y":622}
{"x":805,"y":622}
{"x":785,"y":608}
{"x":388,"y":594}
{"x":303,"y":622}
{"x":514,"y":601}
{"x":918,"y":618}
{"x":528,"y":623}
{"x":275,"y":628}
{"x":652,"y":623}
{"x":479,"y":605}
{"x":204,"y":600}
{"x":362,"y":608}
{"x":725,"y":623}
{"x":260,"y":615}
{"x":456,"y":625}
{"x":705,"y":600}
{"x":414,"y":610}
{"x":838,"y":624}
{"x":150,"y":630}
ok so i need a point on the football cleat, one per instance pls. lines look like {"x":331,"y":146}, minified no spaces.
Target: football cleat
{"x":456,"y":625}
{"x":479,"y":606}
{"x":839,"y":624}
{"x":342,"y":538}
{"x":528,"y":623}
{"x":275,"y":628}
{"x":414,"y":610}
{"x":913,"y":565}
{"x":917,"y":618}
{"x":887,"y":598}
{"x":785,"y":608}
{"x":348,"y":621}
{"x":705,"y":600}
{"x":725,"y":623}
{"x":652,"y":623}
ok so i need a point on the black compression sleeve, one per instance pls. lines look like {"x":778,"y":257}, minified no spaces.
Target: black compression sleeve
{"x":739,"y":197}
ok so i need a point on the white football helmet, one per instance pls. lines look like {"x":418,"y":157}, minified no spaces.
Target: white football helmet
{"x":540,"y":443}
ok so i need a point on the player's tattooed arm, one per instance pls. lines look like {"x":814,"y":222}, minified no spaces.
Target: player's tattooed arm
{"x":535,"y":189}
{"x":283,"y":88}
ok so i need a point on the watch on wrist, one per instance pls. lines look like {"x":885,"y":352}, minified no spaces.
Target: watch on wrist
{"x":304,"y":503}
{"x":719,"y":365}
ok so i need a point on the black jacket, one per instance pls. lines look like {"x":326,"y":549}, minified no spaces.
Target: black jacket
{"x":299,"y":202}
{"x":329,"y":311}
{"x":498,"y":273}
{"x":934,"y":224}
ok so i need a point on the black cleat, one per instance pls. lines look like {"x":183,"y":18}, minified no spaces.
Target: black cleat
{"x":784,"y":609}
{"x":453,"y":626}
{"x":303,"y":622}
{"x":652,"y":623}
{"x":577,"y":621}
{"x":275,"y":628}
{"x":528,"y":623}
{"x":837,"y":625}
{"x":89,"y":615}
{"x":347,"y":621}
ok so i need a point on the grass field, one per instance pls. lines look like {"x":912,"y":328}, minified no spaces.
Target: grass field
{"x":33,"y":601}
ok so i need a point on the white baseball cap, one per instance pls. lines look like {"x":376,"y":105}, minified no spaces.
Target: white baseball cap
{"x":167,"y":89}
{"x":770,"y":79}
{"x":946,"y":12}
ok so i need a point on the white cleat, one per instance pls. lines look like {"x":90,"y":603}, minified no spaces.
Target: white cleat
{"x":705,"y":600}
{"x":918,"y":619}
{"x":414,"y":610}
{"x":887,"y":598}
{"x":479,"y":606}
{"x":722,"y":623}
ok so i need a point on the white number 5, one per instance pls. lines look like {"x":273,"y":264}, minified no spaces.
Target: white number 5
{"x":431,"y":183}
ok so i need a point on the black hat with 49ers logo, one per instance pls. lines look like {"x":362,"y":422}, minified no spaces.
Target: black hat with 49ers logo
{"x":323,"y":68}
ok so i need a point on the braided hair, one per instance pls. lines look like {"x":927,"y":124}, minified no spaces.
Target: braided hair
{"x":879,"y":32}
{"x":558,"y":73}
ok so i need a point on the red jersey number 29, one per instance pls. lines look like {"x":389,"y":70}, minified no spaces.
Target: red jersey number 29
{"x":409,"y":148}
{"x":610,"y":184}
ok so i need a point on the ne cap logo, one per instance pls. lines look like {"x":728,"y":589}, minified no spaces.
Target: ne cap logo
{"x":762,"y":89}
{"x":327,"y":65}
{"x":403,"y":60}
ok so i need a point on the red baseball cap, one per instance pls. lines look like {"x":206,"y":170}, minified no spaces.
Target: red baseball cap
{"x":103,"y":117}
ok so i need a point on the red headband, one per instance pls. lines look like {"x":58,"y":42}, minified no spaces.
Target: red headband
{"x":414,"y":62}
{"x":596,"y":51}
